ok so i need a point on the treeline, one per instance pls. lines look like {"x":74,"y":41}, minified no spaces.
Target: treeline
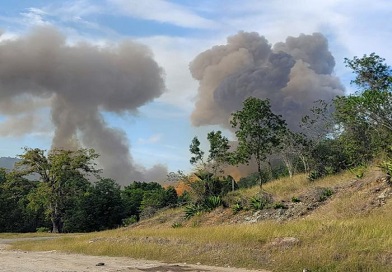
{"x":80,"y":206}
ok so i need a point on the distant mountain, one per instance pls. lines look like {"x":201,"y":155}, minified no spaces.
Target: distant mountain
{"x":7,"y":162}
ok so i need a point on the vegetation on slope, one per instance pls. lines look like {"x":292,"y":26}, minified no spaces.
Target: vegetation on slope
{"x":348,"y":232}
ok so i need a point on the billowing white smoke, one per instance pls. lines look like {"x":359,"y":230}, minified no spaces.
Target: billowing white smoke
{"x":82,"y":81}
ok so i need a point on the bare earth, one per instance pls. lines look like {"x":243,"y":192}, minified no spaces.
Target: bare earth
{"x":53,"y":261}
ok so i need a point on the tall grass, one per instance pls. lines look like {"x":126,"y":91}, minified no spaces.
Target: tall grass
{"x":331,"y":239}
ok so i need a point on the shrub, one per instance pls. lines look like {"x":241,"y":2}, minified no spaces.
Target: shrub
{"x":295,"y":199}
{"x":236,"y":208}
{"x":260,"y":201}
{"x":129,"y":221}
{"x":176,"y":225}
{"x":279,"y":205}
{"x":43,"y":229}
{"x":192,"y":210}
{"x":326,"y":193}
{"x":212,"y":203}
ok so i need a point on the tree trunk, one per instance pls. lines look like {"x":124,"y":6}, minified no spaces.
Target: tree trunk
{"x":289,"y":164}
{"x":57,"y":223}
{"x":260,"y":175}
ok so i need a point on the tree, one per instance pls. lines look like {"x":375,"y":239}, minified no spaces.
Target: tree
{"x":15,"y":216}
{"x":219,"y":151}
{"x":57,"y":170}
{"x":100,"y":208}
{"x":365,"y":118}
{"x":258,"y":130}
{"x":373,"y":102}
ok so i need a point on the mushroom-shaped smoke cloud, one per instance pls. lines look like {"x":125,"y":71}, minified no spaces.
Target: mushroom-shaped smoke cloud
{"x":292,"y":74}
{"x":81,"y":81}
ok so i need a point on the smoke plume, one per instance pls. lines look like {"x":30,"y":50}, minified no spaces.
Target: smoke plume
{"x":80,"y":82}
{"x":291,"y":74}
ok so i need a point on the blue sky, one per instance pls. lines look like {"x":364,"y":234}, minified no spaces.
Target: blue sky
{"x":177,"y":31}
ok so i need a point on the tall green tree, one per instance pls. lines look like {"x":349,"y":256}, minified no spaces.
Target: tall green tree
{"x":15,"y":215}
{"x":218,"y":154}
{"x":257,"y":131}
{"x":365,"y":117}
{"x":373,"y":102}
{"x":57,"y":171}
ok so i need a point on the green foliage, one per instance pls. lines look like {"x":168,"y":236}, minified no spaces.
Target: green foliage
{"x":260,"y":201}
{"x":129,"y":220}
{"x":195,"y":150}
{"x":295,"y":199}
{"x":100,"y":208}
{"x":257,"y":131}
{"x":59,"y":169}
{"x":193,"y":209}
{"x":43,"y":229}
{"x":325,"y":194}
{"x":15,"y":214}
{"x":237,"y":207}
{"x":219,"y":151}
{"x":212,"y":203}
{"x":176,"y":225}
{"x":134,"y":194}
{"x":280,"y":205}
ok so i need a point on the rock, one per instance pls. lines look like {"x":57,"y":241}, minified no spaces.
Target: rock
{"x":100,"y":264}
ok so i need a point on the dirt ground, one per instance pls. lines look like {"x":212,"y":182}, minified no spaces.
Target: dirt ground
{"x":53,"y":261}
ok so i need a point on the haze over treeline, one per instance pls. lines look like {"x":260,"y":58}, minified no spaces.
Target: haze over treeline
{"x":79,"y":82}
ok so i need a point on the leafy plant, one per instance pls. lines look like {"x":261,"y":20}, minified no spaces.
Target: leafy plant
{"x":212,"y":203}
{"x":326,"y":193}
{"x":192,"y":210}
{"x":295,"y":199}
{"x":237,"y":207}
{"x":176,"y":225}
{"x":130,"y":220}
{"x":43,"y":229}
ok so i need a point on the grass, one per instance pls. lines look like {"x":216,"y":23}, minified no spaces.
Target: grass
{"x":336,"y":237}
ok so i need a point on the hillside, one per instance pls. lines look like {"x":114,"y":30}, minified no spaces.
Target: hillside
{"x":339,"y":223}
{"x":334,"y":197}
{"x":7,"y":162}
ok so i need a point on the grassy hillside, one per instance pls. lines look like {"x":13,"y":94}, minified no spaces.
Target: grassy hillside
{"x":347,"y":229}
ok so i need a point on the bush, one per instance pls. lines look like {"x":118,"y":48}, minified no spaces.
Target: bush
{"x":295,"y":199}
{"x":192,"y":210}
{"x":326,"y":193}
{"x":279,"y":205}
{"x":260,"y":201}
{"x":129,"y":221}
{"x":212,"y":203}
{"x":237,"y":207}
{"x":176,"y":225}
{"x":43,"y":229}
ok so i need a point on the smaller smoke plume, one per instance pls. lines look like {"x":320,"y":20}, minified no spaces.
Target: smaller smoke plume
{"x":81,"y":82}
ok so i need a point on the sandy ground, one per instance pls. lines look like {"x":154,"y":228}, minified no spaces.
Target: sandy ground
{"x":52,"y":261}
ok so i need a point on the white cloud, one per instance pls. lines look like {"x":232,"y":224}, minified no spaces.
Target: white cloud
{"x":164,"y":12}
{"x":153,"y":139}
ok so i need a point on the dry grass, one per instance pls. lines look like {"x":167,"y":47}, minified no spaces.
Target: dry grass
{"x":336,"y":237}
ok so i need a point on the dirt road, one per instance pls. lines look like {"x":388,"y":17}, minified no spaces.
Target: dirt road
{"x":53,"y":261}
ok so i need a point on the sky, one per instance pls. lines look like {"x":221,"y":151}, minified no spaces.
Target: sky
{"x":168,"y":36}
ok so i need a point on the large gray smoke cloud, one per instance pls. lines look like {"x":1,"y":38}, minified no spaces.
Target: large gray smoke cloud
{"x":292,"y":74}
{"x":80,"y":81}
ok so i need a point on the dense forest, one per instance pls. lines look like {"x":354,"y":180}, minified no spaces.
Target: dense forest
{"x":68,"y":194}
